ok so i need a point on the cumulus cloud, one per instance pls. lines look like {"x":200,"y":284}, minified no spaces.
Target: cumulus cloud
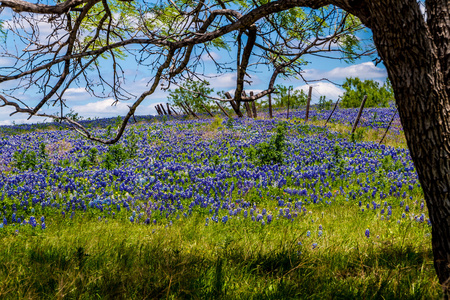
{"x":101,"y":108}
{"x":228,"y":80}
{"x":366,"y":70}
{"x":211,"y":56}
{"x":6,"y":119}
{"x":105,"y":109}
{"x":329,"y":90}
{"x":76,"y":90}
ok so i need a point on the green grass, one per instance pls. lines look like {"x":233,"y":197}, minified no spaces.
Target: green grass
{"x":91,"y":259}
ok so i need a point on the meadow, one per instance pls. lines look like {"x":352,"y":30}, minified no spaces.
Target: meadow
{"x":215,"y":209}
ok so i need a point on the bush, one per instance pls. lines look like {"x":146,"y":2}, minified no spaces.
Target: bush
{"x":26,"y":160}
{"x":115,"y":156}
{"x":271,"y":152}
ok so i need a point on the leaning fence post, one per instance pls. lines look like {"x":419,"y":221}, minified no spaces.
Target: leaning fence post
{"x":170,"y":110}
{"x":308,"y":103}
{"x":162,"y":108}
{"x":359,"y":114}
{"x":185,"y":109}
{"x":334,"y":108}
{"x":207,"y":110}
{"x":387,"y":129}
{"x":157,"y":109}
{"x":190,"y":110}
{"x":223,"y":110}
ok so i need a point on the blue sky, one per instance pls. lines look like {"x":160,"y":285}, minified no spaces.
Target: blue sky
{"x":138,"y":78}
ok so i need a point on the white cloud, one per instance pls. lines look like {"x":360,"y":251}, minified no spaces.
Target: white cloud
{"x":329,"y":90}
{"x":366,"y":70}
{"x":228,"y":80}
{"x":76,"y":90}
{"x":211,"y":56}
{"x":19,"y":118}
{"x":101,"y":108}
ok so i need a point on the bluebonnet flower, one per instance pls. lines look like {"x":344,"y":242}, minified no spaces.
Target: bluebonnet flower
{"x":224,"y":219}
{"x":367,"y":233}
{"x":33,"y":222}
{"x":314,"y":245}
{"x":308,"y":233}
{"x":320,"y":233}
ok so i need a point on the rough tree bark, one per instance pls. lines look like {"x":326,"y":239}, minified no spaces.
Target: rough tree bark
{"x":416,"y":54}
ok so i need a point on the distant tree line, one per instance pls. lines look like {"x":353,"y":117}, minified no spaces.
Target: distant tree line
{"x":196,"y":93}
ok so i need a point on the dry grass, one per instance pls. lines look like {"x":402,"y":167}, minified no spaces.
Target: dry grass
{"x":392,"y":138}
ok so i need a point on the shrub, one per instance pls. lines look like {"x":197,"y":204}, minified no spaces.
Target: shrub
{"x":271,"y":152}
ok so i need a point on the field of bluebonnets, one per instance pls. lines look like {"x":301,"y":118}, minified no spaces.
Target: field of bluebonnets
{"x":214,"y":208}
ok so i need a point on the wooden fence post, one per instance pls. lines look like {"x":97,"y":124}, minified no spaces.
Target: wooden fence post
{"x":170,"y":110}
{"x":387,"y":129}
{"x":334,"y":108}
{"x":156,"y":108}
{"x":247,"y":109}
{"x":207,"y":110}
{"x":247,"y":106}
{"x":308,"y":103}
{"x":255,"y":113}
{"x":270,"y":106}
{"x":190,"y":110}
{"x":185,"y":109}
{"x":359,"y":114}
{"x":289,"y":98}
{"x":162,"y":109}
{"x":223,"y":110}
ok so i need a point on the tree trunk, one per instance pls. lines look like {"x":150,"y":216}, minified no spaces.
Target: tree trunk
{"x":234,"y":105}
{"x":416,"y":56}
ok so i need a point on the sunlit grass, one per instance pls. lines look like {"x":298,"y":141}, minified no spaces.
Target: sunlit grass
{"x":87,"y":258}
